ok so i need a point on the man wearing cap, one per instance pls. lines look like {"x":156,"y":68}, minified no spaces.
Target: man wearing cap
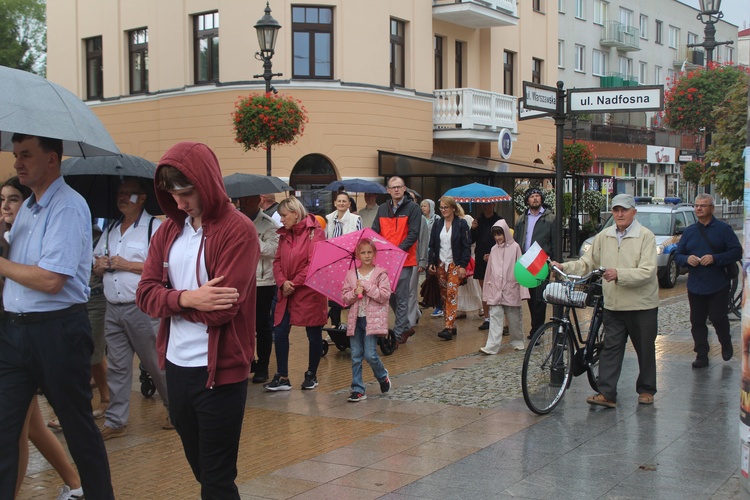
{"x":536,"y":224}
{"x":708,"y":246}
{"x":627,"y":250}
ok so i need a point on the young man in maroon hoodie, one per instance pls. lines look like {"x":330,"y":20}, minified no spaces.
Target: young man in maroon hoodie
{"x":199,"y":278}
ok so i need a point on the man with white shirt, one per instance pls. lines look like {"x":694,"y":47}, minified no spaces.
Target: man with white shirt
{"x":119,"y":258}
{"x":199,"y":278}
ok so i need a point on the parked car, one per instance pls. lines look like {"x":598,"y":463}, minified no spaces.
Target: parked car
{"x":667,"y":222}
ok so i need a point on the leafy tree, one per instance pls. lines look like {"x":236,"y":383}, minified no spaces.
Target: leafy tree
{"x":23,"y":35}
{"x":729,"y":142}
{"x":692,"y":96}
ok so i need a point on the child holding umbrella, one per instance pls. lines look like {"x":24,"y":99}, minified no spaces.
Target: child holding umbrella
{"x":367,"y":290}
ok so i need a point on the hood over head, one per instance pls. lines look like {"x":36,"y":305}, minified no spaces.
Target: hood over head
{"x":432,"y":207}
{"x":199,"y":164}
{"x":506,"y":231}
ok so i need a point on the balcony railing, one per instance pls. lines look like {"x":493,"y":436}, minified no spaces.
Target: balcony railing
{"x":616,"y":34}
{"x":473,"y":109}
{"x":689,"y":55}
{"x":617,"y":80}
{"x":476,"y":13}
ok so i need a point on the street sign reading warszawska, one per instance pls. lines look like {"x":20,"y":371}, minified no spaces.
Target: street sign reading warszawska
{"x":539,"y":97}
{"x":642,"y":98}
{"x":528,"y":114}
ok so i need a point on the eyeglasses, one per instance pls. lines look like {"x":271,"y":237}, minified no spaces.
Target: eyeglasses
{"x":396,"y":187}
{"x":445,"y":208}
{"x":702,"y":206}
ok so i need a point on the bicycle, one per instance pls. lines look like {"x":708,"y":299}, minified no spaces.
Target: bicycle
{"x":557,"y":351}
{"x":735,"y":293}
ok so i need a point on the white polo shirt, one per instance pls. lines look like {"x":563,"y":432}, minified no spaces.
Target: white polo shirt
{"x":132,"y":245}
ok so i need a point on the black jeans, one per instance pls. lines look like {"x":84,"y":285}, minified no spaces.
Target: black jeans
{"x":537,"y":308}
{"x":209,"y":422}
{"x":713,"y":307}
{"x":263,"y":326}
{"x":56,"y":356}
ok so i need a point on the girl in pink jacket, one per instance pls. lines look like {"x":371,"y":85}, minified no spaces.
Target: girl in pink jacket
{"x":501,"y":290}
{"x":367,"y":290}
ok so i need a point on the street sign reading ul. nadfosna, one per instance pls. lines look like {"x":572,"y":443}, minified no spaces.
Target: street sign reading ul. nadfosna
{"x":642,"y":98}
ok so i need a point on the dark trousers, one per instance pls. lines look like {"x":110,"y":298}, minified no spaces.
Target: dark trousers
{"x":538,"y":310}
{"x":641,"y":327}
{"x":263,"y":326}
{"x":334,"y":312}
{"x":56,"y":356}
{"x":713,"y":307}
{"x":209,"y":423}
{"x":281,"y":339}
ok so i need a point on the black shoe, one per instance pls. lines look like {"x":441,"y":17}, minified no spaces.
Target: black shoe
{"x":485,"y":325}
{"x":311,"y":381}
{"x":700,"y":362}
{"x":278,"y":383}
{"x":260,"y":376}
{"x":385,"y":385}
{"x":727,"y":352}
{"x":356,"y":397}
{"x":446,"y":334}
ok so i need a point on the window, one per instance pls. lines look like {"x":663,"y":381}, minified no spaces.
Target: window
{"x":642,"y":72}
{"x":560,"y":54}
{"x":730,"y":54}
{"x":398,"y":53}
{"x":438,"y":62}
{"x":626,"y":17}
{"x":536,"y":5}
{"x":643,"y":26}
{"x":626,"y":67}
{"x":206,"y":33}
{"x":579,"y":9}
{"x":312,"y":42}
{"x":561,"y":6}
{"x":657,"y":76}
{"x":580,"y":58}
{"x":94,"y":72}
{"x":536,"y":70}
{"x":671,"y":74}
{"x":138,"y":47}
{"x":459,"y":65}
{"x":599,"y":63}
{"x":658,"y":33}
{"x":674,"y":37}
{"x":692,"y":38}
{"x":508,"y":75}
{"x":600,"y":12}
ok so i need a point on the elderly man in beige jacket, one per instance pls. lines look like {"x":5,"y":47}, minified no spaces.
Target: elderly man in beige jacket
{"x":627,"y":250}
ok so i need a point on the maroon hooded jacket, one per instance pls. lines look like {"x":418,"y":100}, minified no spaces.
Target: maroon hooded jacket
{"x":231,"y":248}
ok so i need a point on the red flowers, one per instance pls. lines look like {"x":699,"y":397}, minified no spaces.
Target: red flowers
{"x":262,"y":120}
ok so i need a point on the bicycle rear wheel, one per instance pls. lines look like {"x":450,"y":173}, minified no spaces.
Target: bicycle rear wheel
{"x":595,"y":348}
{"x":546,"y":370}
{"x":735,"y":295}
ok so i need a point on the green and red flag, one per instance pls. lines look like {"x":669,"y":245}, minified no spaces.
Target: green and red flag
{"x":532,"y":268}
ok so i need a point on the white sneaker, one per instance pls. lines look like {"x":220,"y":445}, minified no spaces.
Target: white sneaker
{"x":519,"y":347}
{"x":67,"y":494}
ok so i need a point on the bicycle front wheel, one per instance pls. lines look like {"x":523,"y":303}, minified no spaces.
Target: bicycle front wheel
{"x":547,"y":367}
{"x":594,"y":348}
{"x":735,"y":295}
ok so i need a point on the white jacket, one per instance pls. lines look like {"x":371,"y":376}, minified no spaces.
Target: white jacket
{"x":348,"y":222}
{"x":269,"y":242}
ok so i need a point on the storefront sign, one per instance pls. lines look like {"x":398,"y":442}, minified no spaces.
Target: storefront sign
{"x":660,"y":154}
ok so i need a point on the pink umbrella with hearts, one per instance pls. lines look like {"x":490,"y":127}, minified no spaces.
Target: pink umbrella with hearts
{"x":332,"y":259}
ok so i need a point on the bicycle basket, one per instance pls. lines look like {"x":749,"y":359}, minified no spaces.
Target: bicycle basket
{"x":565,"y":293}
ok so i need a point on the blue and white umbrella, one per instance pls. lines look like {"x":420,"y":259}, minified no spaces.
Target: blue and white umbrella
{"x":478,"y":193}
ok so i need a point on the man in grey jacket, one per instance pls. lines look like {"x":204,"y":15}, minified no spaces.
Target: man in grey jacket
{"x":536,"y":224}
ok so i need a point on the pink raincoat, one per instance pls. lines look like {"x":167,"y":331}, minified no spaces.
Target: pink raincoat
{"x":500,"y":285}
{"x":378,"y":290}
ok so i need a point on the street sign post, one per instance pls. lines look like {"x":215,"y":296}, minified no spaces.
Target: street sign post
{"x":539,"y":97}
{"x":528,"y":114}
{"x":599,"y":100}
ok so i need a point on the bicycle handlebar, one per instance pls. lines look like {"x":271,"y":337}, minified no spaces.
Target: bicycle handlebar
{"x":573,"y":277}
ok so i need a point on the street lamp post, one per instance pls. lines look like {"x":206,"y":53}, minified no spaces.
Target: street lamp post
{"x":267,"y":28}
{"x":712,"y":10}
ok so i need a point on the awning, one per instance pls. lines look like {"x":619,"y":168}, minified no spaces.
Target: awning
{"x":426,"y":164}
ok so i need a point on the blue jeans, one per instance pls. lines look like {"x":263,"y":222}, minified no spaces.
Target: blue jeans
{"x":281,"y":339}
{"x":365,"y":346}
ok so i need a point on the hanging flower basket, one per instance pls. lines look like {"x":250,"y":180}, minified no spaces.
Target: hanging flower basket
{"x":578,"y":158}
{"x":262,"y":120}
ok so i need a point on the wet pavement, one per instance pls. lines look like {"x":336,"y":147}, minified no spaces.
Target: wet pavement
{"x":455,"y":426}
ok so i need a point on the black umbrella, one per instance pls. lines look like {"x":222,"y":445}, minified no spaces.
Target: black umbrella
{"x":239,"y":185}
{"x":98,"y":178}
{"x":356,"y":186}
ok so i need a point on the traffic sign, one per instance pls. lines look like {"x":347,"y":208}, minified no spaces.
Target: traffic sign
{"x":642,"y":98}
{"x":539,"y":97}
{"x":528,"y":114}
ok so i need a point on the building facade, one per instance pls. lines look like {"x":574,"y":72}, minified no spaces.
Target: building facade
{"x":618,"y":43}
{"x":409,"y":87}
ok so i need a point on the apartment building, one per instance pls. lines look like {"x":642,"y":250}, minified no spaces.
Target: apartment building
{"x":416,"y":88}
{"x":604,"y":44}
